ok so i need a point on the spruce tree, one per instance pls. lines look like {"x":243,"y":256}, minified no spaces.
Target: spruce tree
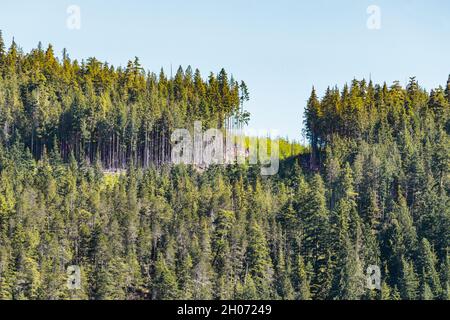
{"x":431,"y":285}
{"x":259,"y":262}
{"x":302,"y":280}
{"x":313,"y":114}
{"x":409,"y":282}
{"x":315,"y":219}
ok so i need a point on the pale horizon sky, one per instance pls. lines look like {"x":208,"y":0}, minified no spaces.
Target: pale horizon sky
{"x":279,"y":48}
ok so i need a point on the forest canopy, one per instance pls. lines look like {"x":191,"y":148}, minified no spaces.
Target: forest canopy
{"x":114,"y":115}
{"x":372,"y":189}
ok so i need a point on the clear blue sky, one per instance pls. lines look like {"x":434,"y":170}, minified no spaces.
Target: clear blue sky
{"x":280,"y":48}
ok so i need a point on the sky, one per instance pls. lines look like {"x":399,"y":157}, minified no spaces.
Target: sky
{"x":281,"y":49}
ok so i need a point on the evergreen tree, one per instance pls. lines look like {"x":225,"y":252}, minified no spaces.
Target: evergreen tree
{"x":408,"y":281}
{"x":313,"y":114}
{"x":431,"y":285}
{"x":315,"y":220}
{"x":302,"y":281}
{"x":259,"y":263}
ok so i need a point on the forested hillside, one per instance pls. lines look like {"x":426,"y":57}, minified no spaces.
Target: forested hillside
{"x":116,"y":115}
{"x":373,"y":190}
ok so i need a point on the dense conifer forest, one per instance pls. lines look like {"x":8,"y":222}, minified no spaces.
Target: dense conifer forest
{"x":371,"y":189}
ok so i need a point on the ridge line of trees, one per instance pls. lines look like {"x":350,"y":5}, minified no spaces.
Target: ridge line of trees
{"x":373,"y":191}
{"x":116,"y":116}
